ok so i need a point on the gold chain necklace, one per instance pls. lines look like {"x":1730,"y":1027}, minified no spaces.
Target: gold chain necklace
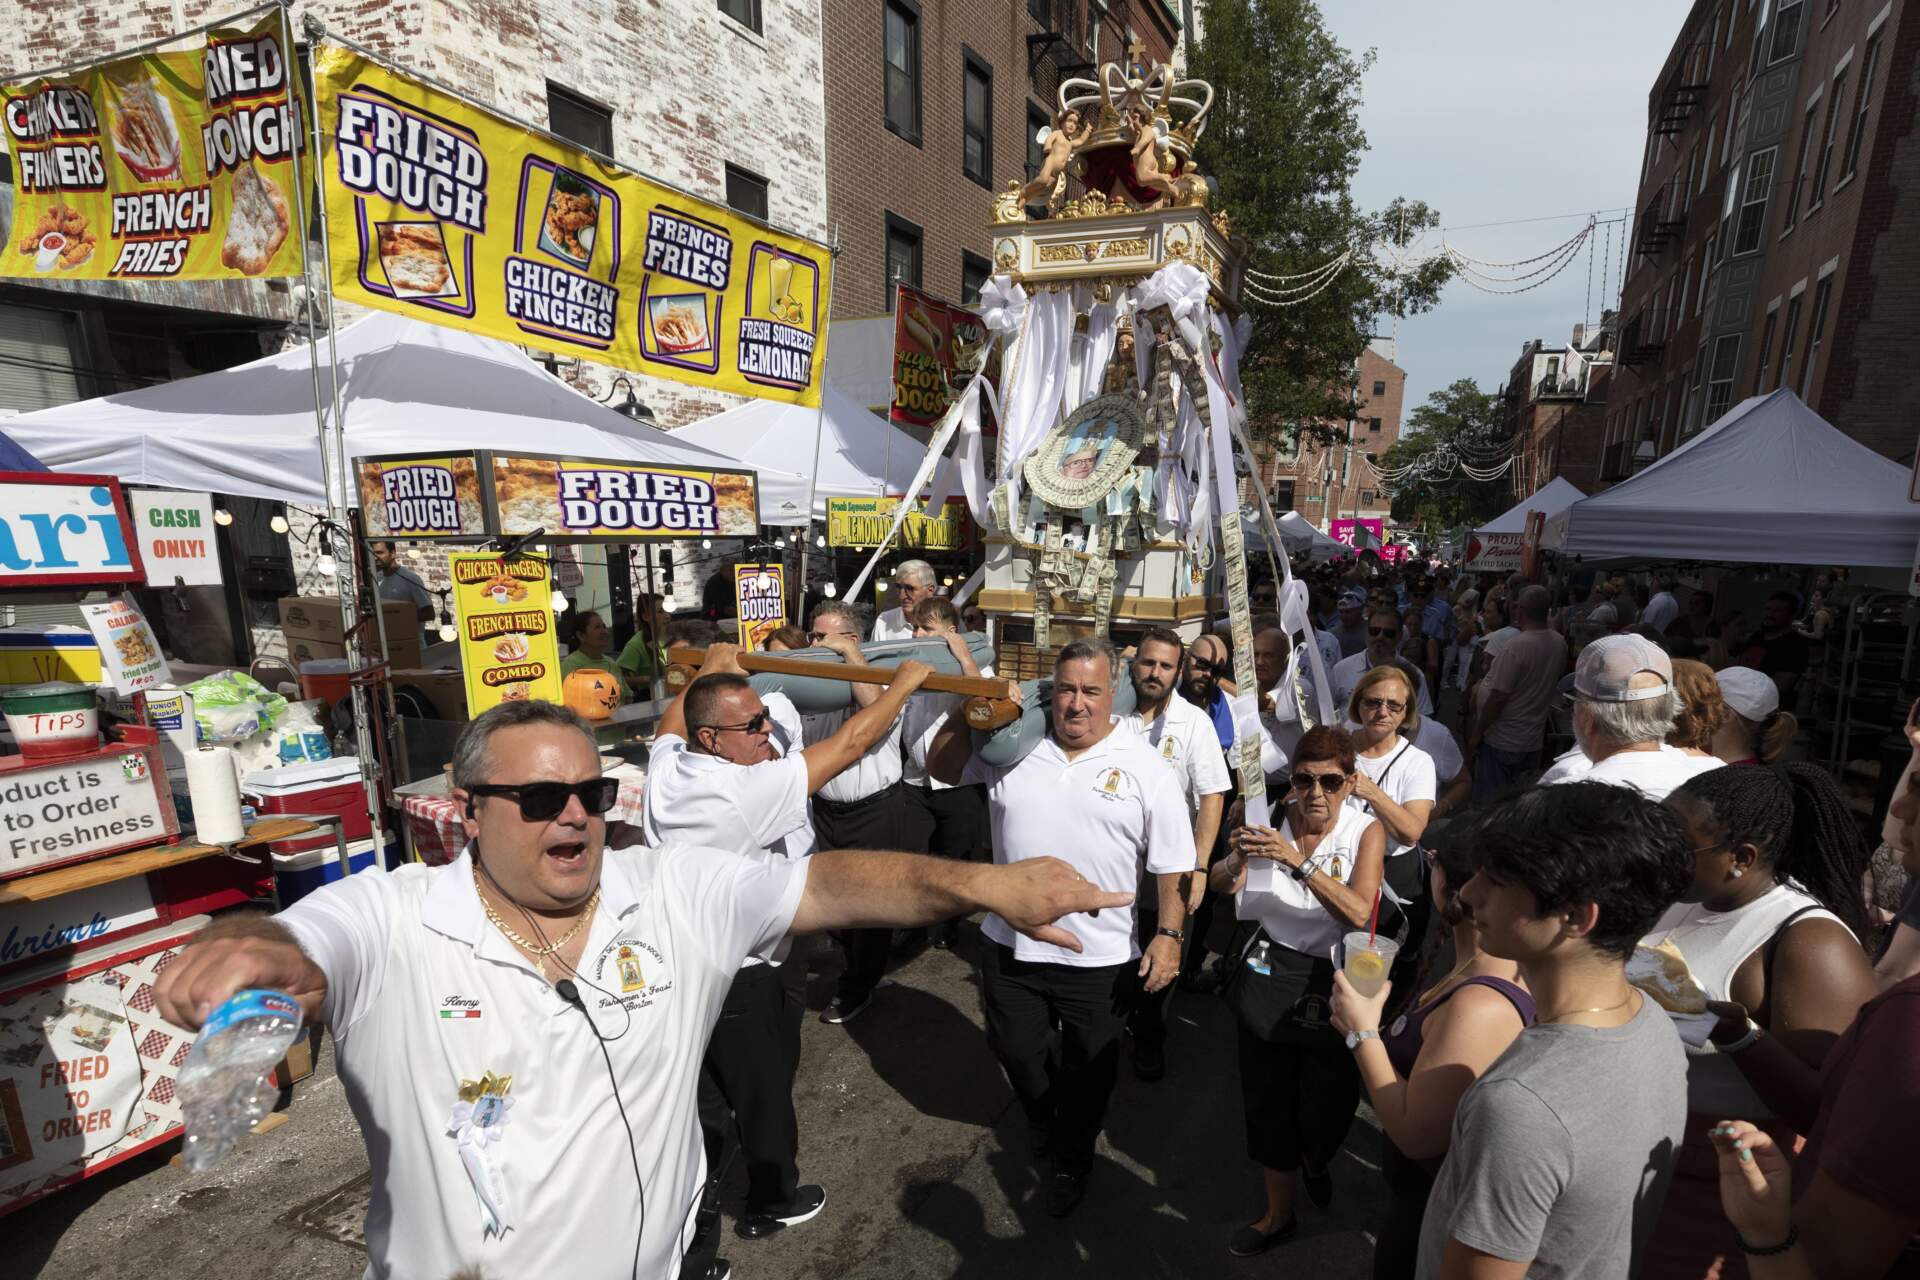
{"x":1574,"y":1013}
{"x":541,"y":952}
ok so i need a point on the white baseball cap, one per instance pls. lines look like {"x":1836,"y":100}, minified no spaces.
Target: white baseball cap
{"x":1751,"y":693}
{"x":1607,"y":667}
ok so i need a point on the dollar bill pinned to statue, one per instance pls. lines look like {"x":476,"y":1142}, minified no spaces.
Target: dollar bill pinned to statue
{"x":171,"y":164}
{"x":442,"y":210}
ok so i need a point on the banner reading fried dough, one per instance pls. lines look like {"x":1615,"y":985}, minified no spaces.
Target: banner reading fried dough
{"x":440,"y":210}
{"x":169,"y":165}
{"x":504,"y":609}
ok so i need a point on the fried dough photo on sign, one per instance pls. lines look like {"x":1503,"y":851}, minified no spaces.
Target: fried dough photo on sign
{"x":414,"y":257}
{"x":572,"y":217}
{"x":257,"y":222}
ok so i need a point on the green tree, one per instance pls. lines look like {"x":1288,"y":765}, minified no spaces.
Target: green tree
{"x":1282,"y":145}
{"x":1459,"y":427}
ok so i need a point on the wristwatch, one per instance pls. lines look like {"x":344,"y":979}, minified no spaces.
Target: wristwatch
{"x":1301,"y":872}
{"x":1355,"y":1037}
{"x":1178,"y":935}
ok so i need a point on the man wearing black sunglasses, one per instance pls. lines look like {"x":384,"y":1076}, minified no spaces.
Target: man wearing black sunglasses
{"x":1383,"y":647}
{"x":579,"y":987}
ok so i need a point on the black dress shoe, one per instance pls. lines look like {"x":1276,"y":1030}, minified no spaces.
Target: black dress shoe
{"x":758,"y":1224}
{"x":1149,"y":1061}
{"x":1065,"y":1192}
{"x":1319,"y":1186}
{"x":1250,"y":1241}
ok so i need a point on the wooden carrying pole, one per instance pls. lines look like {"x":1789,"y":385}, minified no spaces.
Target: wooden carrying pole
{"x":987,"y":705}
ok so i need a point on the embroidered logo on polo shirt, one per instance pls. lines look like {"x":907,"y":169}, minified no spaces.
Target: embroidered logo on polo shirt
{"x":459,"y":1007}
{"x":1166,"y":747}
{"x":1113,"y":784}
{"x":637,"y":969}
{"x":632,"y":976}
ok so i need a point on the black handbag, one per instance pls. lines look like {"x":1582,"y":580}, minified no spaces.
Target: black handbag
{"x":1292,"y":1004}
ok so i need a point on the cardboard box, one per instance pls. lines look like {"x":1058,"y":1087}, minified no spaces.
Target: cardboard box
{"x":444,"y":691}
{"x":312,"y":628}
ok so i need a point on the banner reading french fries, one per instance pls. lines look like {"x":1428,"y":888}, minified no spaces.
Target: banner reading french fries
{"x":169,"y":165}
{"x":504,"y":608}
{"x":440,"y":210}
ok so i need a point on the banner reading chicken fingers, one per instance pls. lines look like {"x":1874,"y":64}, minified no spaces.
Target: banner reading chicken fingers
{"x":441,"y":210}
{"x":169,"y":165}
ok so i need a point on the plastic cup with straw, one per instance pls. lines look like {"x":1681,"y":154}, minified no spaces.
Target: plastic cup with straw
{"x":1369,"y":956}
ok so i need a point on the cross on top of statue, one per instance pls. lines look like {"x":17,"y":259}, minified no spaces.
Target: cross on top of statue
{"x":1137,"y":60}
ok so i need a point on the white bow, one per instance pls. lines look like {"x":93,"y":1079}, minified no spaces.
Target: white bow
{"x":1003,"y":304}
{"x":1182,"y":290}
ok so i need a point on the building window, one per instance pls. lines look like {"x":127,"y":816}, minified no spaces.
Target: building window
{"x":580,"y":121}
{"x":1040,"y":11}
{"x":1373,"y":426}
{"x":1288,"y":449}
{"x":1706,"y":273}
{"x":1733,"y":122}
{"x":1283,"y":495}
{"x":1036,"y":150}
{"x":976,"y":119}
{"x":1366,"y":497}
{"x":1689,"y":401}
{"x":1816,"y":321}
{"x":1862,"y":103}
{"x":1726,"y":358}
{"x":744,"y":12}
{"x":1753,"y":204}
{"x":1766,"y":350}
{"x":1706,"y":170}
{"x":974,"y":274}
{"x":1095,"y":16}
{"x":1818,"y":190}
{"x":903,"y":255}
{"x":903,"y":69}
{"x":1379,"y":387}
{"x":1786,"y":342}
{"x":1799,"y":170}
{"x":1786,"y":30}
{"x":746,"y":192}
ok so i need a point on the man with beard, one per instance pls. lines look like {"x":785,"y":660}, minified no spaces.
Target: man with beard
{"x":1207,"y":665}
{"x":1384,"y":631}
{"x":1182,"y":735}
{"x":1097,"y":793}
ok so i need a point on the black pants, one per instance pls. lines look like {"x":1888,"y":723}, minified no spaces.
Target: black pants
{"x":746,"y":1086}
{"x":948,"y":822}
{"x":1396,"y":1255}
{"x":1200,"y":923}
{"x":1300,"y":1100}
{"x":875,"y":822}
{"x":1065,"y":1092}
{"x":1147,"y":1015}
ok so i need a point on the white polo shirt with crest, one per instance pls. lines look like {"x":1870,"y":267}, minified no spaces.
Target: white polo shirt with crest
{"x":490,"y":1119}
{"x":1109,"y":811}
{"x":1183,"y":735}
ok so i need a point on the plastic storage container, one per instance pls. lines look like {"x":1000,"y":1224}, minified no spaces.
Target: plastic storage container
{"x":323,"y":786}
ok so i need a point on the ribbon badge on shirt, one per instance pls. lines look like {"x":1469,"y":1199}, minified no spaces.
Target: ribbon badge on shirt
{"x":477,"y":1122}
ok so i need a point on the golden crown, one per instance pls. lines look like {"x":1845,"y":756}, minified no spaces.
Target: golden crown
{"x":1181,"y":106}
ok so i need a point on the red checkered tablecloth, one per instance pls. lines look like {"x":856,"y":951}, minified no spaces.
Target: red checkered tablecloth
{"x":433,"y":822}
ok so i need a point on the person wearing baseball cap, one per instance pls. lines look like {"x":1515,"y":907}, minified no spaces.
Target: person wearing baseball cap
{"x":1624,"y":709}
{"x":1351,"y":630}
{"x":1758,"y":731}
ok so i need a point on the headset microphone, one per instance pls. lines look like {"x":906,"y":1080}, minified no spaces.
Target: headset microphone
{"x":567,"y":991}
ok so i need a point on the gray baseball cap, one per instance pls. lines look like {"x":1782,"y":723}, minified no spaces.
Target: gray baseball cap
{"x":1607,"y":667}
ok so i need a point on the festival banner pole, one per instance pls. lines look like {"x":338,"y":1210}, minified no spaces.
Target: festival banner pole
{"x":819,"y":431}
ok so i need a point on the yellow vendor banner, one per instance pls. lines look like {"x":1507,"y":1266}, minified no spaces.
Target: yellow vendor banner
{"x":863,"y":522}
{"x":760,"y":599}
{"x":441,"y":210}
{"x":504,"y":609}
{"x":168,"y":165}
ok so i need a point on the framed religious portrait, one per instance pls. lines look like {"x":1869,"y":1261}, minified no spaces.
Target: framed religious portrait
{"x":1088,"y":453}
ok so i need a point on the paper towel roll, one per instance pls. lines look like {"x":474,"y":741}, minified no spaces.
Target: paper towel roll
{"x":213,"y":783}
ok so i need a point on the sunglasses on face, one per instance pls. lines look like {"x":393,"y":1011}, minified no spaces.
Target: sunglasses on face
{"x":1383,"y":704}
{"x":1389,"y":633}
{"x":545,"y":801}
{"x":1327,"y":782}
{"x":758,"y":724}
{"x":1206,"y":668}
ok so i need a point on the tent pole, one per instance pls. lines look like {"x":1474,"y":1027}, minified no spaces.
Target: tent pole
{"x":333,"y":454}
{"x":819,"y":430}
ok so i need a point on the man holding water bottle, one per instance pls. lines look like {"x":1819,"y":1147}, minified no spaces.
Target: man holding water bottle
{"x":518,"y":1029}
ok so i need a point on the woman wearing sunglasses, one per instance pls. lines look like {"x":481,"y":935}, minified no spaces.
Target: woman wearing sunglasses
{"x":1297,"y":890}
{"x":1396,"y":782}
{"x":1416,"y":1070}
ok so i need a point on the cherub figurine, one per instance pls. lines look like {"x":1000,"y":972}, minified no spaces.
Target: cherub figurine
{"x":1067,"y":134}
{"x":1146,"y":158}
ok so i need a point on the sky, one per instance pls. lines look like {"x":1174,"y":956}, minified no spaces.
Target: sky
{"x":1492,"y":111}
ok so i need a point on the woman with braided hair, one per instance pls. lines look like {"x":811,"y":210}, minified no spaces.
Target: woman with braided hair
{"x":1769,"y":930}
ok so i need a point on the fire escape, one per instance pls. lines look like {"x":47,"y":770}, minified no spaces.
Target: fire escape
{"x":1056,"y":47}
{"x":1684,"y":91}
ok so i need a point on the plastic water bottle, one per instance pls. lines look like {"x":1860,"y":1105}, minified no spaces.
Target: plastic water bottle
{"x":223,"y":1084}
{"x":1260,"y":960}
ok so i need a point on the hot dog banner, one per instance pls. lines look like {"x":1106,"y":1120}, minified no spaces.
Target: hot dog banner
{"x":503,"y":607}
{"x":166,"y":165}
{"x":938,"y":349}
{"x":760,"y":599}
{"x":441,"y":210}
{"x":486,"y":494}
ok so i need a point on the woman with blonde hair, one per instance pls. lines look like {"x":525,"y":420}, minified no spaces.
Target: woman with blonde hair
{"x":1702,"y":709}
{"x":1756,"y":730}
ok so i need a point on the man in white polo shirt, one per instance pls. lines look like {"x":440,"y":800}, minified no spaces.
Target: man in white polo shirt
{"x":725,"y":772}
{"x":1095,"y":792}
{"x":1183,"y":736}
{"x":1623,"y":711}
{"x":913,"y":581}
{"x":1383,"y":646}
{"x":532,"y":1134}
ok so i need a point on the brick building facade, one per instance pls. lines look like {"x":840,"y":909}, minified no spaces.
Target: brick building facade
{"x":932,"y":107}
{"x":1324,"y":481}
{"x":1776,"y":236}
{"x":1555,"y":403}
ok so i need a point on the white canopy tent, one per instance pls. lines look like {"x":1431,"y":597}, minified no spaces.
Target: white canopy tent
{"x":1770,"y":483}
{"x":1550,"y":499}
{"x":862,"y":455}
{"x":407,"y":387}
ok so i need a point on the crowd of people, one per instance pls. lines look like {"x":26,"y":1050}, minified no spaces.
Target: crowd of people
{"x":1648,"y":1016}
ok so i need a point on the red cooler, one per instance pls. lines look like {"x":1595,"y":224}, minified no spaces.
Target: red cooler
{"x":320,"y":786}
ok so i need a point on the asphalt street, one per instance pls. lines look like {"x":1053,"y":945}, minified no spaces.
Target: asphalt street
{"x":905,"y":1118}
